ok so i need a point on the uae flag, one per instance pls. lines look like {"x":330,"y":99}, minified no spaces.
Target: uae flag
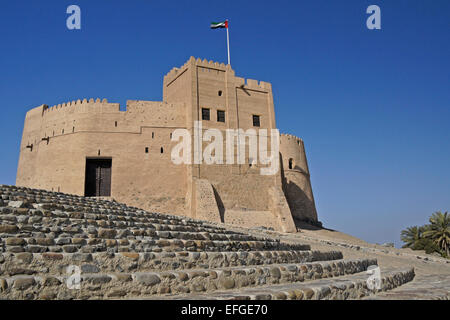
{"x":219,"y":25}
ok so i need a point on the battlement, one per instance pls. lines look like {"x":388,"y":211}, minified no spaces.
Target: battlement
{"x":290,"y":136}
{"x":83,"y":105}
{"x":74,"y":103}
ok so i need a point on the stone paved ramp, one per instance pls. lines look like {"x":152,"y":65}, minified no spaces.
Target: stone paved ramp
{"x":122,"y":252}
{"x":431,"y":287}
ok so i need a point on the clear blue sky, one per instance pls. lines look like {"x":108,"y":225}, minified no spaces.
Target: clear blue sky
{"x":373,"y":107}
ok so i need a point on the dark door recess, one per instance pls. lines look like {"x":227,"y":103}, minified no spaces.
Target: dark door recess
{"x":98,"y":178}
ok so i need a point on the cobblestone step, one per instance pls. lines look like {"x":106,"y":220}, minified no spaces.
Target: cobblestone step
{"x":177,"y":282}
{"x":144,"y":245}
{"x":86,"y":230}
{"x":55,"y":263}
{"x":118,"y":220}
{"x":342,"y":288}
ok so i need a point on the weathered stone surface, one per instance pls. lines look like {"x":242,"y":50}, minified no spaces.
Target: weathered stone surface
{"x":23,"y":283}
{"x":149,"y":279}
{"x":82,"y":257}
{"x":47,"y":295}
{"x":89,"y":268}
{"x":96,"y":279}
{"x":22,"y":271}
{"x":16,"y":204}
{"x":50,"y":281}
{"x":45,"y":241}
{"x":107,"y":233}
{"x":25,"y":257}
{"x":131,"y":255}
{"x":15,"y":241}
{"x":70,"y":248}
{"x":52,"y":256}
{"x":3,"y":285}
{"x":227,"y":283}
{"x":117,"y":293}
{"x":6,"y":228}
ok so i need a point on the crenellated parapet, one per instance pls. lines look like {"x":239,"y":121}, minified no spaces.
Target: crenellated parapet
{"x":288,"y":136}
{"x":253,"y":84}
{"x":193,"y":62}
{"x":82,"y":105}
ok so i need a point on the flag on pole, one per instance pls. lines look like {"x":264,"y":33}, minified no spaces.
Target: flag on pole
{"x":219,"y":25}
{"x":223,"y":25}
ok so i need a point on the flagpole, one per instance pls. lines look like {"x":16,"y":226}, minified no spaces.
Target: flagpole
{"x":228,"y":44}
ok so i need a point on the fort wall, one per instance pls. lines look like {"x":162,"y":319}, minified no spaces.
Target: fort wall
{"x":296,"y":181}
{"x":58,"y":142}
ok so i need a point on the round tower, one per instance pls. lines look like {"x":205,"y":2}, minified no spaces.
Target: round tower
{"x":296,"y":180}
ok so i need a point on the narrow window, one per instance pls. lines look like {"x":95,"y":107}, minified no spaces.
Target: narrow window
{"x":115,"y":124}
{"x":99,"y":152}
{"x":73,"y":129}
{"x":62,"y":131}
{"x":171,"y":136}
{"x":290,"y":163}
{"x":53,"y":133}
{"x":256,"y":122}
{"x":220,"y":116}
{"x":153,"y":135}
{"x":162,"y":150}
{"x":220,"y":93}
{"x":205,"y":114}
{"x":146,"y":149}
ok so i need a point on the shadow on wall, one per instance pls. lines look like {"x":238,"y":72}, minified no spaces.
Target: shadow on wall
{"x":302,"y":208}
{"x":219,"y":205}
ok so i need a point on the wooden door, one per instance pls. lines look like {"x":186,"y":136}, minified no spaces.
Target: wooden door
{"x":98,"y":178}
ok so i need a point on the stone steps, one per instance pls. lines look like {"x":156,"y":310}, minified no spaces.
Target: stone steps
{"x":54,"y":263}
{"x":179,"y":282}
{"x":26,"y":215}
{"x":150,"y":245}
{"x":346,"y":287}
{"x":83,"y":231}
{"x":126,"y":252}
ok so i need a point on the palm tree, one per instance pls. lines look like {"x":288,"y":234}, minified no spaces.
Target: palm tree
{"x":411,"y":236}
{"x":439,"y":231}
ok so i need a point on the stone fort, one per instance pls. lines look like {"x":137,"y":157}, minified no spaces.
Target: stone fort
{"x":92,"y":148}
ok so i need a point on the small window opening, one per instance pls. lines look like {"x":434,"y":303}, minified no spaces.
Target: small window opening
{"x":62,"y":131}
{"x":162,"y":150}
{"x":256,"y":121}
{"x":291,"y":163}
{"x":73,"y":129}
{"x":146,"y":149}
{"x":205,"y":114}
{"x":220,"y":93}
{"x":115,"y":124}
{"x":99,"y":152}
{"x":171,"y":136}
{"x":53,"y":133}
{"x":220,"y":116}
{"x":153,"y":135}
